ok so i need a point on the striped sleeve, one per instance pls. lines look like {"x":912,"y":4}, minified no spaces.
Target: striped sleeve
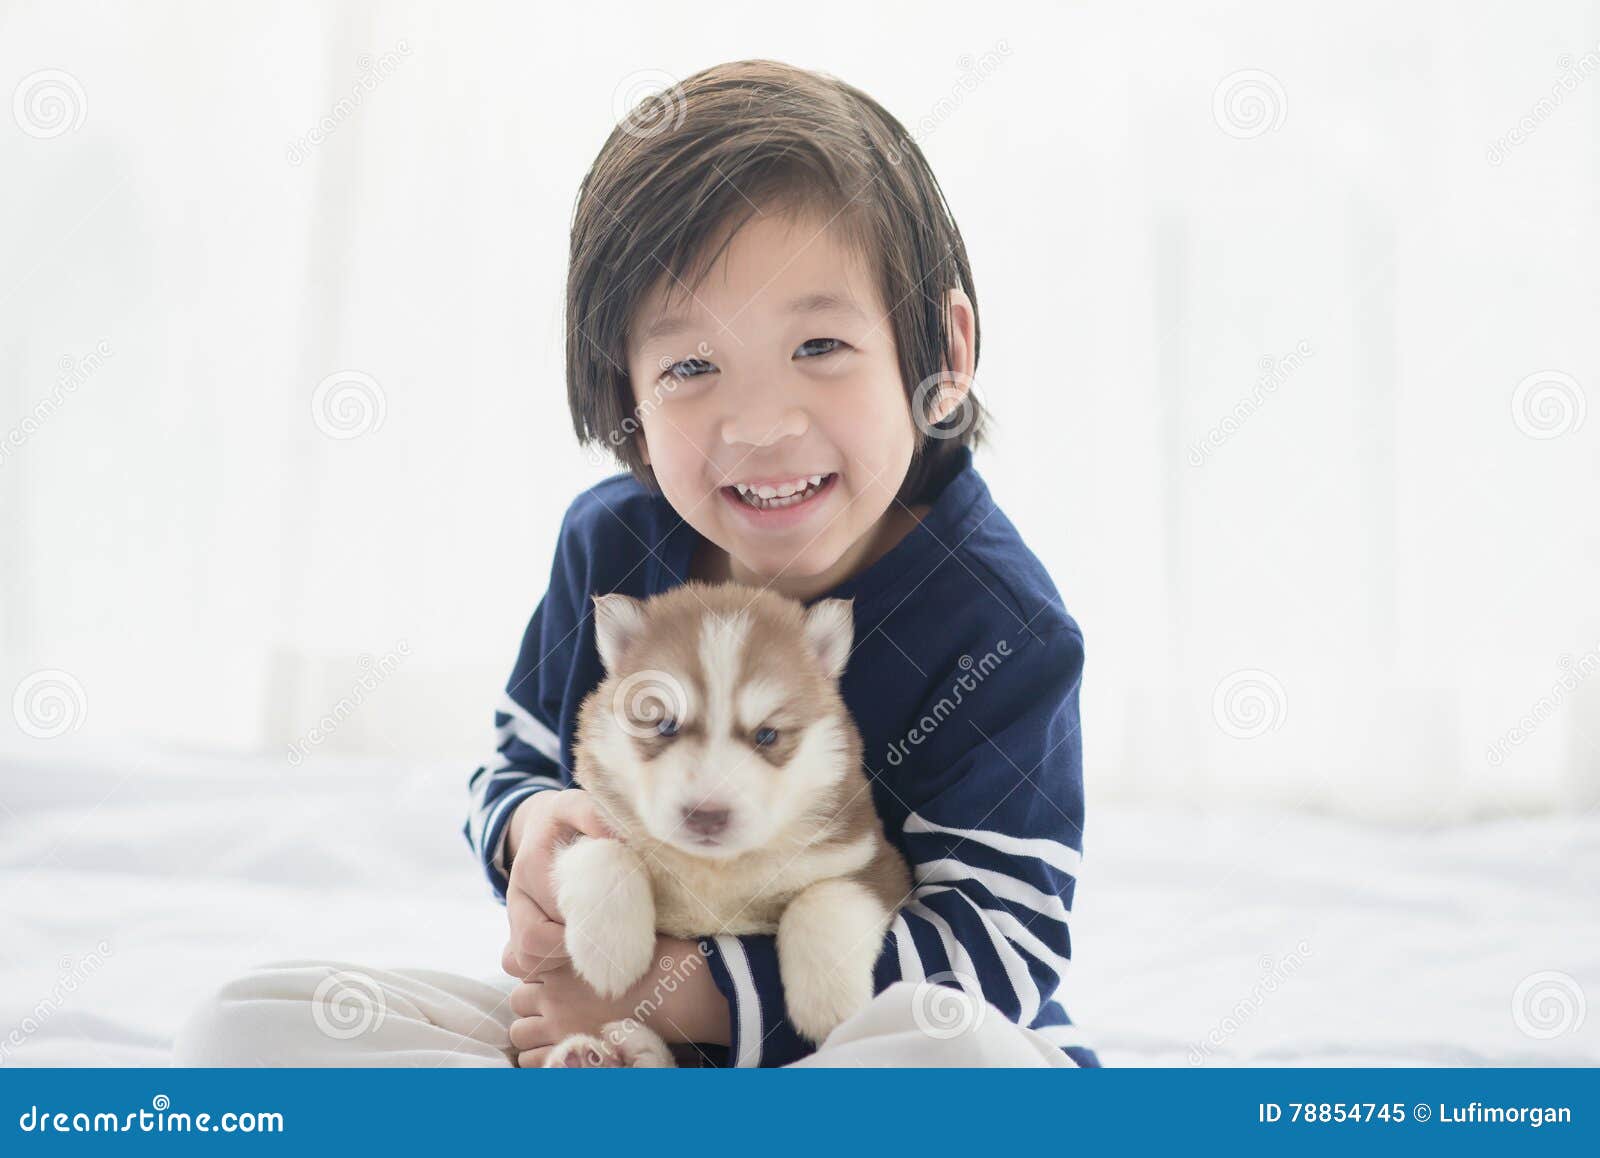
{"x":527,"y":760}
{"x":528,"y":752}
{"x":994,"y":839}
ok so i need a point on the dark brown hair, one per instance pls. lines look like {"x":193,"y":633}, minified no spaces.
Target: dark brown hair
{"x":687,"y":166}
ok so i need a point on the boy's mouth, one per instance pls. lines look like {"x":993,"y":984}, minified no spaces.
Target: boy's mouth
{"x":778,"y":496}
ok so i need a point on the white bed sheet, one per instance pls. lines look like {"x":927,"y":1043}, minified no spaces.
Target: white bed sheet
{"x":1383,"y":947}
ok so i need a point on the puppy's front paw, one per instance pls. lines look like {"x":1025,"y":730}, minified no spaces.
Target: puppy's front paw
{"x":604,"y":893}
{"x":828,"y":941}
{"x":821,"y":999}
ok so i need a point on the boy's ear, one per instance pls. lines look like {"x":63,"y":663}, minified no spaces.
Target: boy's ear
{"x":830,"y":630}
{"x":618,"y":620}
{"x":962,"y":325}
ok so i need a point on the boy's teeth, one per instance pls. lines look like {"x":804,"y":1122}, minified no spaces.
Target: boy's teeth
{"x":780,"y":490}
{"x":782,"y":494}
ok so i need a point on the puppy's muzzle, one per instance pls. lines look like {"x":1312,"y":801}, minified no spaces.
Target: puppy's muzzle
{"x":707,"y":822}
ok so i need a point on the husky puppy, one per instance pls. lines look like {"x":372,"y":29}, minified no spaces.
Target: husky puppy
{"x":719,"y":750}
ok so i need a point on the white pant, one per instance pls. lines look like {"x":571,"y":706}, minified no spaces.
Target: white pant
{"x":331,"y":1013}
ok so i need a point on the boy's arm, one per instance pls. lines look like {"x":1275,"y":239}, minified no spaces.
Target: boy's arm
{"x":497,"y":788}
{"x":527,"y":757}
{"x":683,"y":1003}
{"x":994,"y":840}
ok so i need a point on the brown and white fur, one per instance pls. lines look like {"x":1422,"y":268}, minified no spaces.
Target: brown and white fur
{"x":719,"y":750}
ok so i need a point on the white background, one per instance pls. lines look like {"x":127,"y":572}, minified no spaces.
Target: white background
{"x":1387,"y":543}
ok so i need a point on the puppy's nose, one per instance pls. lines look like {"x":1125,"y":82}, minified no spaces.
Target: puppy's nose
{"x":706,"y":821}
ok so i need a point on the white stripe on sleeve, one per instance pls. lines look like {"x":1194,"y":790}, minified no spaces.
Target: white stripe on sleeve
{"x":1027,"y":993}
{"x":1059,"y":856}
{"x":747,"y":1050}
{"x":1026,"y":939}
{"x":1006,"y":887}
{"x":526,"y":728}
{"x":483,"y":814}
{"x":1029,"y":999}
{"x":910,"y":964}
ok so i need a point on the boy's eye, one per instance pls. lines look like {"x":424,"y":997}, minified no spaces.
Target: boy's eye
{"x":816,"y":347}
{"x":688,"y":368}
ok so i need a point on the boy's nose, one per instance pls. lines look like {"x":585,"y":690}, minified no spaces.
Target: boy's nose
{"x":757,"y":425}
{"x":706,"y":821}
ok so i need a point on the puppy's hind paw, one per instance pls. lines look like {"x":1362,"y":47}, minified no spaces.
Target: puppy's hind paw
{"x":621,"y":1045}
{"x":581,"y":1051}
{"x":637,"y":1046}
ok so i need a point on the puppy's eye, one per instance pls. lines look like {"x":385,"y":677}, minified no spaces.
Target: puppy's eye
{"x":765,"y":737}
{"x":667,"y":727}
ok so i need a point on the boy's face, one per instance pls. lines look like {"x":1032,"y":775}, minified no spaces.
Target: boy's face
{"x":781,"y":367}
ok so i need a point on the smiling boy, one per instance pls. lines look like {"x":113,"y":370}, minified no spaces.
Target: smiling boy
{"x":784,"y":321}
{"x":772,"y":322}
{"x":773,"y":406}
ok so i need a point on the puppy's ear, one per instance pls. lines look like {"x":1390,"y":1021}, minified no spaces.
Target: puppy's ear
{"x":618,"y":619}
{"x":830,"y":630}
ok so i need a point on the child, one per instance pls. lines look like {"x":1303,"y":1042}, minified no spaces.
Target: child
{"x":773,"y":326}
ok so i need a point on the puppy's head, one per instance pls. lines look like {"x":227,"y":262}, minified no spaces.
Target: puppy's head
{"x":719,"y":722}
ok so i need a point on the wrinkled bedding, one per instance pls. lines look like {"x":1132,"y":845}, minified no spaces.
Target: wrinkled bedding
{"x":134,"y":883}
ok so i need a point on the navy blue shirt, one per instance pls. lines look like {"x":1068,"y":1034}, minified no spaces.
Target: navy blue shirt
{"x":964,"y":684}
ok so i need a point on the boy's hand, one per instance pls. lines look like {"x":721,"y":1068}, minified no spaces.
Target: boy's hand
{"x":677,"y":997}
{"x":541,"y":824}
{"x":557,"y":1003}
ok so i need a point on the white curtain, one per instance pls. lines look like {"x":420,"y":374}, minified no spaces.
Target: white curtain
{"x":1289,"y":329}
